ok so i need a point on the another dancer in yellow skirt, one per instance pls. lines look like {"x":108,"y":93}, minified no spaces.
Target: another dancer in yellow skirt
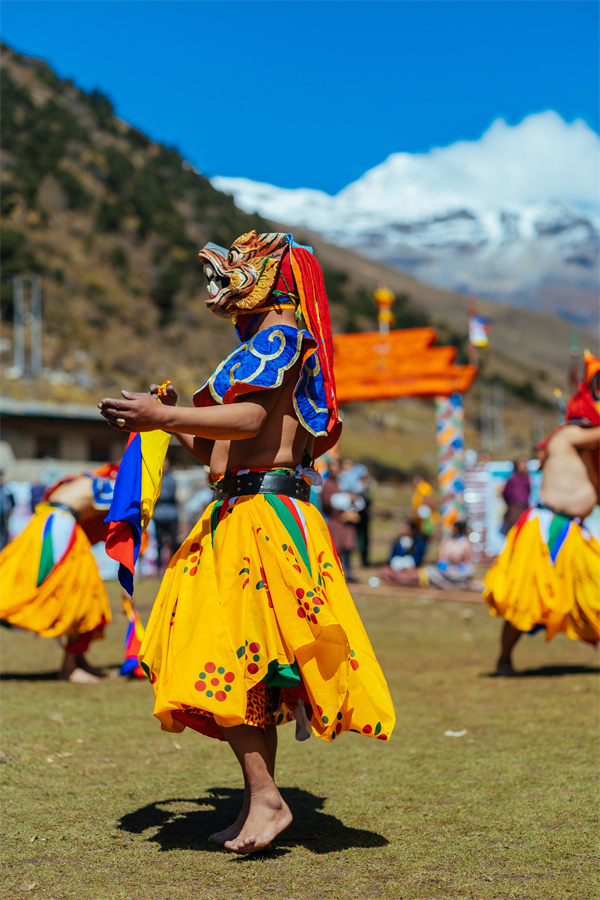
{"x":254,"y":625}
{"x":49,"y":578}
{"x":548,"y":574}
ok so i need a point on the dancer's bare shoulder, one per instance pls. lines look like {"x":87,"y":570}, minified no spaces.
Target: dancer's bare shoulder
{"x":78,"y":493}
{"x":576,"y":436}
{"x":567,"y":482}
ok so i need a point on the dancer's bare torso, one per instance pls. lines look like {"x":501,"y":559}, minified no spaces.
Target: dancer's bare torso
{"x":570,"y":479}
{"x":281,"y":442}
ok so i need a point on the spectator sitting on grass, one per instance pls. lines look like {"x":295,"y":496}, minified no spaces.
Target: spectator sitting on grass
{"x":453,"y":569}
{"x":410,"y":545}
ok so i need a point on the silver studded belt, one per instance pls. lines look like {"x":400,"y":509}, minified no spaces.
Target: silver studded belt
{"x":262,"y":483}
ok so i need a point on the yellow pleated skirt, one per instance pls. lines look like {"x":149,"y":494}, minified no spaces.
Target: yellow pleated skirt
{"x":256,"y":597}
{"x":548,"y":575}
{"x":49,"y":580}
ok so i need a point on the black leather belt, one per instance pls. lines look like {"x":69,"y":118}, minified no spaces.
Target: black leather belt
{"x":65,"y":507}
{"x":262,"y":483}
{"x":558,"y":512}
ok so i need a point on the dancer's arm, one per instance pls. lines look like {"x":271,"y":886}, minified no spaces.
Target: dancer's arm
{"x":582,"y":437}
{"x":200,"y":448}
{"x":231,"y":422}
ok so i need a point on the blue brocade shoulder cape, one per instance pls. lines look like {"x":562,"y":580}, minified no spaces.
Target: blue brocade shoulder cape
{"x":261,"y":362}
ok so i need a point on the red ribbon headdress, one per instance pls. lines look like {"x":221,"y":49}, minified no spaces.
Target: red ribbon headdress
{"x":583,"y":406}
{"x":301,"y":266}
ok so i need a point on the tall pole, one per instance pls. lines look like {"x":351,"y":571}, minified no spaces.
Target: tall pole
{"x":498,"y":410}
{"x":36,"y":326}
{"x":27,"y":317}
{"x":486,"y":417}
{"x":450,"y":436}
{"x":385,"y":317}
{"x":574,"y":362}
{"x":19,"y":323}
{"x":473,"y":351}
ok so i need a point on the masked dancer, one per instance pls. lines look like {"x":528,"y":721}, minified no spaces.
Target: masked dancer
{"x":254,"y":625}
{"x":50,"y":580}
{"x":548,"y":574}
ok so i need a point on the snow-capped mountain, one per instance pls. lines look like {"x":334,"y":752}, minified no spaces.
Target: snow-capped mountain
{"x":513,"y":216}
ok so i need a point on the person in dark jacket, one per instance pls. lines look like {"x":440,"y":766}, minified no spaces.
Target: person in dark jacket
{"x":342,"y":509}
{"x":7,"y":504}
{"x":516,"y":494}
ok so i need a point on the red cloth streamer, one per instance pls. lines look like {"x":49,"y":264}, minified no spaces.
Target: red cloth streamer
{"x":582,"y":406}
{"x":315,"y":309}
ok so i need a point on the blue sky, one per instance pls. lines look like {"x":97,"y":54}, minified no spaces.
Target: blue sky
{"x":312,"y":93}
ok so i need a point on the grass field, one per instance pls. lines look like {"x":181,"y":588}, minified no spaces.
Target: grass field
{"x":99,"y":804}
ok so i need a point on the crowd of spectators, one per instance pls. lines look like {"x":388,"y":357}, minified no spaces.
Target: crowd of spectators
{"x":345,"y":499}
{"x":346,"y":504}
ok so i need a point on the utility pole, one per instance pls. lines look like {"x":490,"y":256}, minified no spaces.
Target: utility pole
{"x":573,"y":375}
{"x":385,"y":317}
{"x":487,"y":414}
{"x":497,"y":390}
{"x":19,"y":323}
{"x":27,"y":314}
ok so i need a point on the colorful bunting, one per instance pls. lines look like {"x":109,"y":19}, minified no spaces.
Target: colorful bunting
{"x":479,"y":329}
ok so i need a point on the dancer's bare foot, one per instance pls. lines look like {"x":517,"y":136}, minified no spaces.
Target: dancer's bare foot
{"x":510,"y":636}
{"x":228,"y":834}
{"x":82,"y":663}
{"x":78,"y":663}
{"x":268,"y":816}
{"x":504,"y":669}
{"x":79,"y":676}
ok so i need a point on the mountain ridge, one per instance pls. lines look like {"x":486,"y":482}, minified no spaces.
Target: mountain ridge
{"x":495,"y":217}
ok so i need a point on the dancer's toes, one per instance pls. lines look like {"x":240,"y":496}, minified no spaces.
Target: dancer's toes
{"x":251,"y":844}
{"x":228,"y":834}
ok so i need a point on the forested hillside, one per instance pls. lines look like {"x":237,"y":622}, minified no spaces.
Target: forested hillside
{"x":113,"y":223}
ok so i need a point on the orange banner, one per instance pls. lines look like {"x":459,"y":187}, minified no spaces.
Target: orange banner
{"x":371,"y":366}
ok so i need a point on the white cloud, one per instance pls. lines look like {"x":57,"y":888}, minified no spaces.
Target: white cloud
{"x":543,"y":159}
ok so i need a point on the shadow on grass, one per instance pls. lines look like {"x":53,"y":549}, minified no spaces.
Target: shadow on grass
{"x":29,"y":676}
{"x":110,"y":671}
{"x":175,"y":825}
{"x":549,"y":672}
